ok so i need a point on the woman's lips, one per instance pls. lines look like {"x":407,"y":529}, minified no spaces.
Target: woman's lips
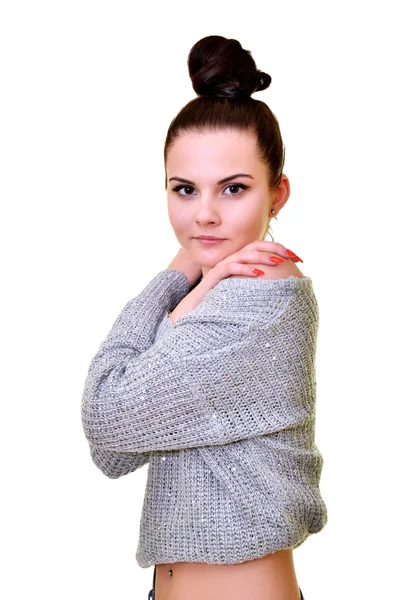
{"x":208,"y":242}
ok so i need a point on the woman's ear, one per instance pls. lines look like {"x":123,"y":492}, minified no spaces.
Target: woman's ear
{"x":281,"y":194}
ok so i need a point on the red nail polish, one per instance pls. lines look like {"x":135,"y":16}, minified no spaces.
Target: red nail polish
{"x":293,"y":255}
{"x":258,"y":271}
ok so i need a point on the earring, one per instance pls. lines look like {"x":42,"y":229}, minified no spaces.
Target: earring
{"x":273,"y":212}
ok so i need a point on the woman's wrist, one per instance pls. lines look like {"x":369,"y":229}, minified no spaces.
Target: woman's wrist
{"x":190,"y":302}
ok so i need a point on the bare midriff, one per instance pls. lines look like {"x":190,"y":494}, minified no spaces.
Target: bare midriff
{"x":271,"y":577}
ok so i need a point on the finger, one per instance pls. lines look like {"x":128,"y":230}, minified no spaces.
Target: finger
{"x":280,"y":249}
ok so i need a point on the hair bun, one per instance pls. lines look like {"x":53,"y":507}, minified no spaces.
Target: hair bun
{"x":220,"y":67}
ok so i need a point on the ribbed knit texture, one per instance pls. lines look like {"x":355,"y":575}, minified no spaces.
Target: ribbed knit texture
{"x":221,"y":405}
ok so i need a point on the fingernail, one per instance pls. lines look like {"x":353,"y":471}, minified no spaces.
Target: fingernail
{"x":293,"y":255}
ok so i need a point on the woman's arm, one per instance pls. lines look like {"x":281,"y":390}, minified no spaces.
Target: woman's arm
{"x":138,"y":322}
{"x":116,"y":464}
{"x":240,"y":365}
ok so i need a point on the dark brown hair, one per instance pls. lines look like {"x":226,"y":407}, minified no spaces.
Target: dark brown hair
{"x":224,"y":75}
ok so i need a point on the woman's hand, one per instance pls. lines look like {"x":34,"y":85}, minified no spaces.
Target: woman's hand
{"x":234,"y":264}
{"x":186,"y":265}
{"x":237,"y":264}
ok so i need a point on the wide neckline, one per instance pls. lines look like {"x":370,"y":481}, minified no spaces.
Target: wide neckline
{"x":284,"y":286}
{"x":244,"y":282}
{"x":282,"y":283}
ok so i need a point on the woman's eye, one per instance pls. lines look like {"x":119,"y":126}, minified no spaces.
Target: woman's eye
{"x":236,"y":185}
{"x":179,"y":187}
{"x":232,"y":185}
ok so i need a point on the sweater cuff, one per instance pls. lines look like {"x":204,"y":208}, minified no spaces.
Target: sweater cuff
{"x":169,"y":287}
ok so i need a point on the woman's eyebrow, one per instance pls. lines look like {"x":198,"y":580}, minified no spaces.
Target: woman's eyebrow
{"x":218,"y":183}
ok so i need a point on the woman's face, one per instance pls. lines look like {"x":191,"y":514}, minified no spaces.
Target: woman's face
{"x":201,"y":203}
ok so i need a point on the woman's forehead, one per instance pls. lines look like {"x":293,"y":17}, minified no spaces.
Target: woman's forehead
{"x":217,"y":151}
{"x":213,"y":137}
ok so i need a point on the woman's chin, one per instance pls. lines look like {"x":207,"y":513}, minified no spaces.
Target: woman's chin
{"x":207,"y":258}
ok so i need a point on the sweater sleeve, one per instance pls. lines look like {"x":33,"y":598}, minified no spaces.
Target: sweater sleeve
{"x":116,"y":464}
{"x":216,"y":378}
{"x":138,"y":322}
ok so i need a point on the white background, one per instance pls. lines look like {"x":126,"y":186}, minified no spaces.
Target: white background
{"x":88,"y":90}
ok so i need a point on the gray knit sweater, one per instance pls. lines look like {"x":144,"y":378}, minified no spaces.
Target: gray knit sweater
{"x":221,"y":405}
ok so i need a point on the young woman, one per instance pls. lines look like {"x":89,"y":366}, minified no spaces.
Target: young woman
{"x":208,"y":374}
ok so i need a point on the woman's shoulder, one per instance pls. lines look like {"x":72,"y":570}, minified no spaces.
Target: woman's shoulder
{"x":245,"y":298}
{"x":279,"y":271}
